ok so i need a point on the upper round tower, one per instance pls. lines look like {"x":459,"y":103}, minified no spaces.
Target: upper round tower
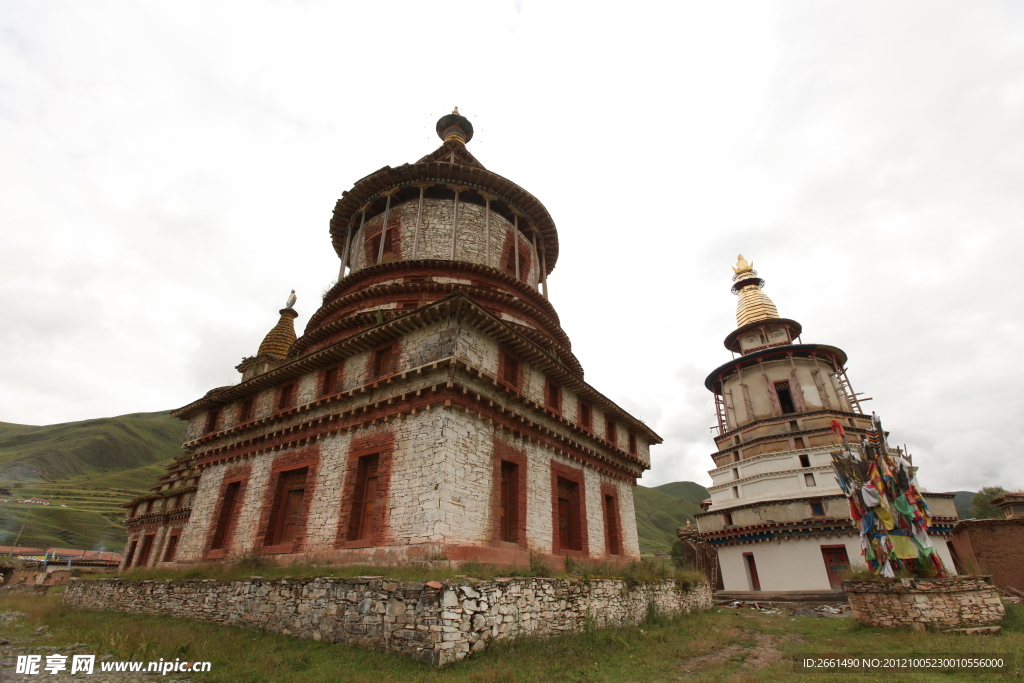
{"x":776,"y":384}
{"x":411,"y":235}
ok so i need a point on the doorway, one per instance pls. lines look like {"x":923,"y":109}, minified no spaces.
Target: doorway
{"x":837,"y":563}
{"x":755,"y":583}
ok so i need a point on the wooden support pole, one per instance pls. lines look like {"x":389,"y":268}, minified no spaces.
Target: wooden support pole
{"x":487,"y":230}
{"x":384,"y":227}
{"x":344,"y":253}
{"x":543,"y":271}
{"x":515,"y":243}
{"x":416,"y":233}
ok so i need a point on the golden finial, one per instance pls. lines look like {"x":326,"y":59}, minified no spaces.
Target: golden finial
{"x":455,"y":111}
{"x":742,"y":266}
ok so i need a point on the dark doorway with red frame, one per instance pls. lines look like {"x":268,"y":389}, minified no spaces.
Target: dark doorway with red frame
{"x":837,"y":563}
{"x":755,"y":583}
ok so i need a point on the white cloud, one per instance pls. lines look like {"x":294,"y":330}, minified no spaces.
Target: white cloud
{"x":170,"y":171}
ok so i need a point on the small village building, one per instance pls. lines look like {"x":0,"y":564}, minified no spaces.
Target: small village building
{"x":432,"y":409}
{"x":776,"y":515}
{"x":993,"y":547}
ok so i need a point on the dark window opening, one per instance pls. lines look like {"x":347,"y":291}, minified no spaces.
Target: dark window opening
{"x":509,"y":502}
{"x":610,"y":431}
{"x":586,"y":416}
{"x":632,"y":444}
{"x":227,"y":513}
{"x":147,"y":548}
{"x":794,"y":426}
{"x":735,"y":473}
{"x":245,"y":411}
{"x":805,"y":461}
{"x":817,"y":508}
{"x":365,"y":498}
{"x":287,"y":399}
{"x":510,"y":369}
{"x":727,"y":518}
{"x":611,"y":524}
{"x":785,"y":398}
{"x":131,"y":553}
{"x":211,"y":420}
{"x":172,"y":547}
{"x":384,"y":361}
{"x":552,"y":396}
{"x":735,"y":491}
{"x":798,"y":442}
{"x":286,"y":515}
{"x":331,"y":381}
{"x":569,"y":522}
{"x":389,"y":247}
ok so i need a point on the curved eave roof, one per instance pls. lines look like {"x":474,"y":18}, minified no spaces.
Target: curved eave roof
{"x":386,"y":178}
{"x":797,"y":349}
{"x":730,"y":341}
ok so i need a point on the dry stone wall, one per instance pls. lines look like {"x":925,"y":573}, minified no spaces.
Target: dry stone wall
{"x":434,"y":622}
{"x":916,"y":603}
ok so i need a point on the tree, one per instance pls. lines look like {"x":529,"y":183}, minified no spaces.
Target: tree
{"x":981,"y":504}
{"x":679,"y":554}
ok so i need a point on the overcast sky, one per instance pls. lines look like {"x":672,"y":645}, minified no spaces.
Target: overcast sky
{"x":168,"y":172}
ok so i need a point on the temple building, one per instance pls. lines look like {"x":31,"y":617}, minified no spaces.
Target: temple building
{"x":432,"y":408}
{"x":776,"y":514}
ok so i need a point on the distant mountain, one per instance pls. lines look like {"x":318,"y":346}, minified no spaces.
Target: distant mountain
{"x":962,"y":501}
{"x":661,"y":509}
{"x":88,"y":448}
{"x":85,"y":470}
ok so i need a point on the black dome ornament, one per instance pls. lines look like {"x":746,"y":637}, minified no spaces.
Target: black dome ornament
{"x":454,"y":126}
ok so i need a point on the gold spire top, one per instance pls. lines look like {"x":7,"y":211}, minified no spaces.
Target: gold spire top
{"x":754,"y":304}
{"x":743,"y":266}
{"x":280,"y":339}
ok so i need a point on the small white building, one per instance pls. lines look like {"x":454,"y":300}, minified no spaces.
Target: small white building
{"x":776,"y":514}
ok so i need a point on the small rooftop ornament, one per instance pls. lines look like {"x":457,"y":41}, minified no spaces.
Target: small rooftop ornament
{"x":291,"y":300}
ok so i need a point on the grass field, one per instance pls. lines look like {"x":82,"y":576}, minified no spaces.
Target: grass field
{"x":740,"y":646}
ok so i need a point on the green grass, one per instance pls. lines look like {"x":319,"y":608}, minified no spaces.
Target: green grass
{"x":741,"y":646}
{"x":660,"y":510}
{"x":634,"y":572}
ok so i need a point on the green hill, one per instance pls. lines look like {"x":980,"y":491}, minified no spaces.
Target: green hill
{"x":88,"y":448}
{"x":962,"y":501}
{"x":660,"y":510}
{"x":86,"y":470}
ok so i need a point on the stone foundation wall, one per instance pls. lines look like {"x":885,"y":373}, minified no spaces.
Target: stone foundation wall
{"x":434,"y":622}
{"x":916,"y":603}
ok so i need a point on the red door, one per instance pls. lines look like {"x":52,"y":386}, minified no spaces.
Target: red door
{"x":836,"y":564}
{"x":755,"y":583}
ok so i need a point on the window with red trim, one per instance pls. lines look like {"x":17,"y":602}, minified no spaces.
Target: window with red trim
{"x":585,"y":416}
{"x":172,"y":547}
{"x":245,"y":411}
{"x":611,"y":525}
{"x":611,"y":432}
{"x":211,"y":420}
{"x":569,"y":522}
{"x":286,"y":516}
{"x":509,"y":509}
{"x":366,"y":499}
{"x":226,"y":516}
{"x":332,"y":381}
{"x":287,"y":397}
{"x":511,"y":368}
{"x":552,"y":395}
{"x":373,"y":243}
{"x":385,"y":360}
